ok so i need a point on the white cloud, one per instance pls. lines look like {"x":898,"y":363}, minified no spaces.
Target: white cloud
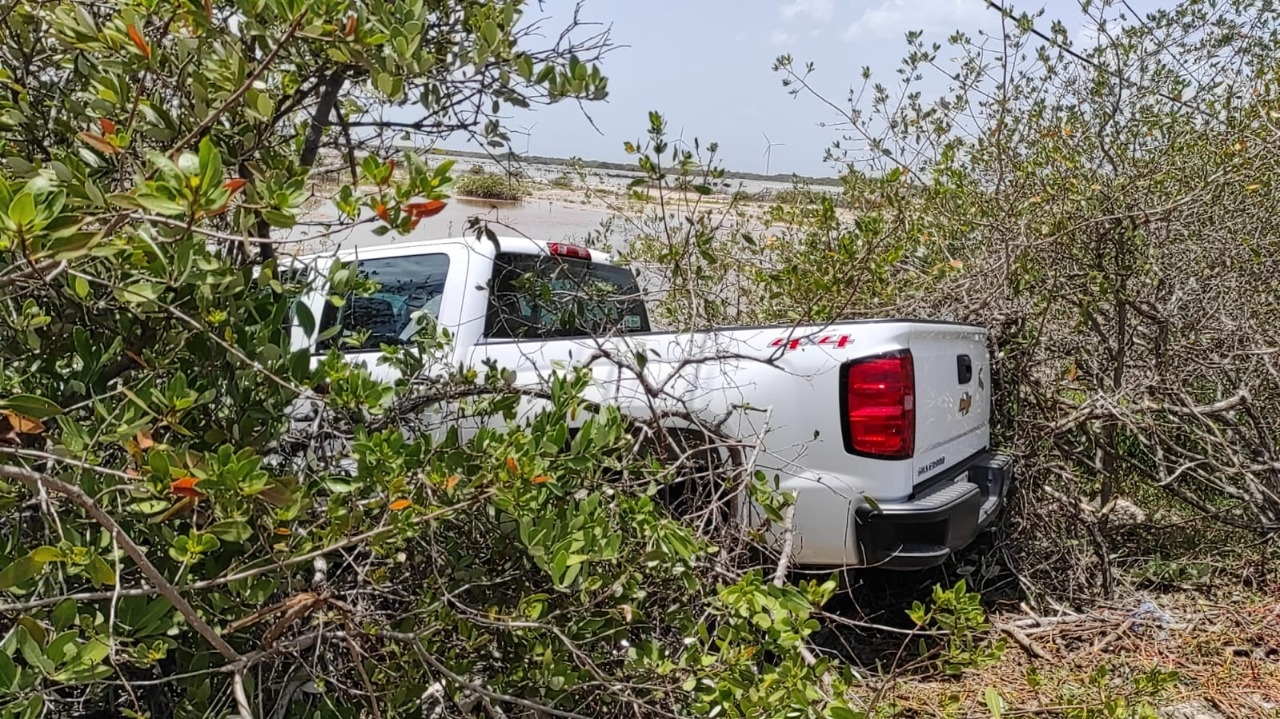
{"x":816,"y":10}
{"x":781,"y":37}
{"x":893,"y":18}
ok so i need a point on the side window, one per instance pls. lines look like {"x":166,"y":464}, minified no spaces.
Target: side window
{"x":407,"y":295}
{"x":542,"y":297}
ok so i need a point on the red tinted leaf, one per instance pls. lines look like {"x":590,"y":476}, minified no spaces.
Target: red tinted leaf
{"x":350,"y":29}
{"x":108,"y":127}
{"x":235,"y":184}
{"x":186,"y":487}
{"x":22,"y":424}
{"x":422,"y":210}
{"x":400,"y":504}
{"x":381,"y":211}
{"x":98,"y":142}
{"x":139,"y":42}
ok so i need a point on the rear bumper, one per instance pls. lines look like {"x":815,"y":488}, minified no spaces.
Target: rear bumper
{"x":923,"y":531}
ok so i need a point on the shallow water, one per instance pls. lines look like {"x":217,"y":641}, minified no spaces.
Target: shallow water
{"x":537,"y":218}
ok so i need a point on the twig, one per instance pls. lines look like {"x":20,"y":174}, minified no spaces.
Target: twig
{"x":472,"y":686}
{"x":242,"y":699}
{"x":78,"y":497}
{"x":244,"y":87}
{"x":238,"y":576}
{"x":1022,"y":640}
{"x":226,"y":237}
{"x":1107,"y":640}
{"x":1048,"y":621}
{"x":788,"y":541}
{"x":836,"y":618}
{"x":230,"y":349}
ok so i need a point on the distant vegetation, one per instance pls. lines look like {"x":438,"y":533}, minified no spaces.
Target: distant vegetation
{"x":489,"y":186}
{"x":623,"y":167}
{"x":563,"y":181}
{"x":800,"y":195}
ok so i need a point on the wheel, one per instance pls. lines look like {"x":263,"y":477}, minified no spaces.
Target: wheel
{"x":699,"y":488}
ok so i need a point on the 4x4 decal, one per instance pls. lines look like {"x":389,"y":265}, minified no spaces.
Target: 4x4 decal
{"x":793,"y":343}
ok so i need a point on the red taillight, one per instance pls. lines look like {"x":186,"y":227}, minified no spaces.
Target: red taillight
{"x":562,"y":250}
{"x":880,"y":406}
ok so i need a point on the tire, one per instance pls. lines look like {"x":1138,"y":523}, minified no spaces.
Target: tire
{"x":699,"y":492}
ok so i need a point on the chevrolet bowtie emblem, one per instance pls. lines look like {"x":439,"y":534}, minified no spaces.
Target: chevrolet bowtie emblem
{"x":966,"y":403}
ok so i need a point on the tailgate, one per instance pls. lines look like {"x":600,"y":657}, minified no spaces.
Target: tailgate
{"x":953,"y":396}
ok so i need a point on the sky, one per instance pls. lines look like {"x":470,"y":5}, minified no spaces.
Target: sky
{"x":706,"y":65}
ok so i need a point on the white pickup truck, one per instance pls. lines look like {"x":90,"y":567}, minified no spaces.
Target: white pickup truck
{"x":880,"y":428}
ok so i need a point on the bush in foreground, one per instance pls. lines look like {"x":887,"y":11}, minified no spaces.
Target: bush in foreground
{"x":176,"y":541}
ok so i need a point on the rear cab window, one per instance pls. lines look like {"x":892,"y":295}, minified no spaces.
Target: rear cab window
{"x":406,"y":296}
{"x":556,"y":297}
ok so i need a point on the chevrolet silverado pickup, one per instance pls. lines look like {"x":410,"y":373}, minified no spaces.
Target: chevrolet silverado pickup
{"x":880,"y":428}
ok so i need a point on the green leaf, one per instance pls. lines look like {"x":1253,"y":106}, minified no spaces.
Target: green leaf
{"x":570,"y":574}
{"x":995,"y":703}
{"x":80,"y":286}
{"x":32,"y":630}
{"x":141,"y":291}
{"x":31,"y":406}
{"x":35,"y":707}
{"x":44,"y":555}
{"x":8,"y":674}
{"x":264,"y":105}
{"x":63,"y":615}
{"x":22,"y":211}
{"x":279,"y":219}
{"x":32,"y":649}
{"x":120,"y":199}
{"x":339,"y":485}
{"x":306,"y":320}
{"x":63,"y":647}
{"x":160,"y":205}
{"x":203,"y":543}
{"x":158,"y":463}
{"x":100,"y":573}
{"x":148,"y":622}
{"x":19,"y":571}
{"x":80,"y":675}
{"x":837,"y":711}
{"x":210,"y":164}
{"x":558,"y":567}
{"x":92,"y":652}
{"x":232,"y":530}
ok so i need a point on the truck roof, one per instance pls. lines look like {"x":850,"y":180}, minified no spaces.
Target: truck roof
{"x":518,"y":245}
